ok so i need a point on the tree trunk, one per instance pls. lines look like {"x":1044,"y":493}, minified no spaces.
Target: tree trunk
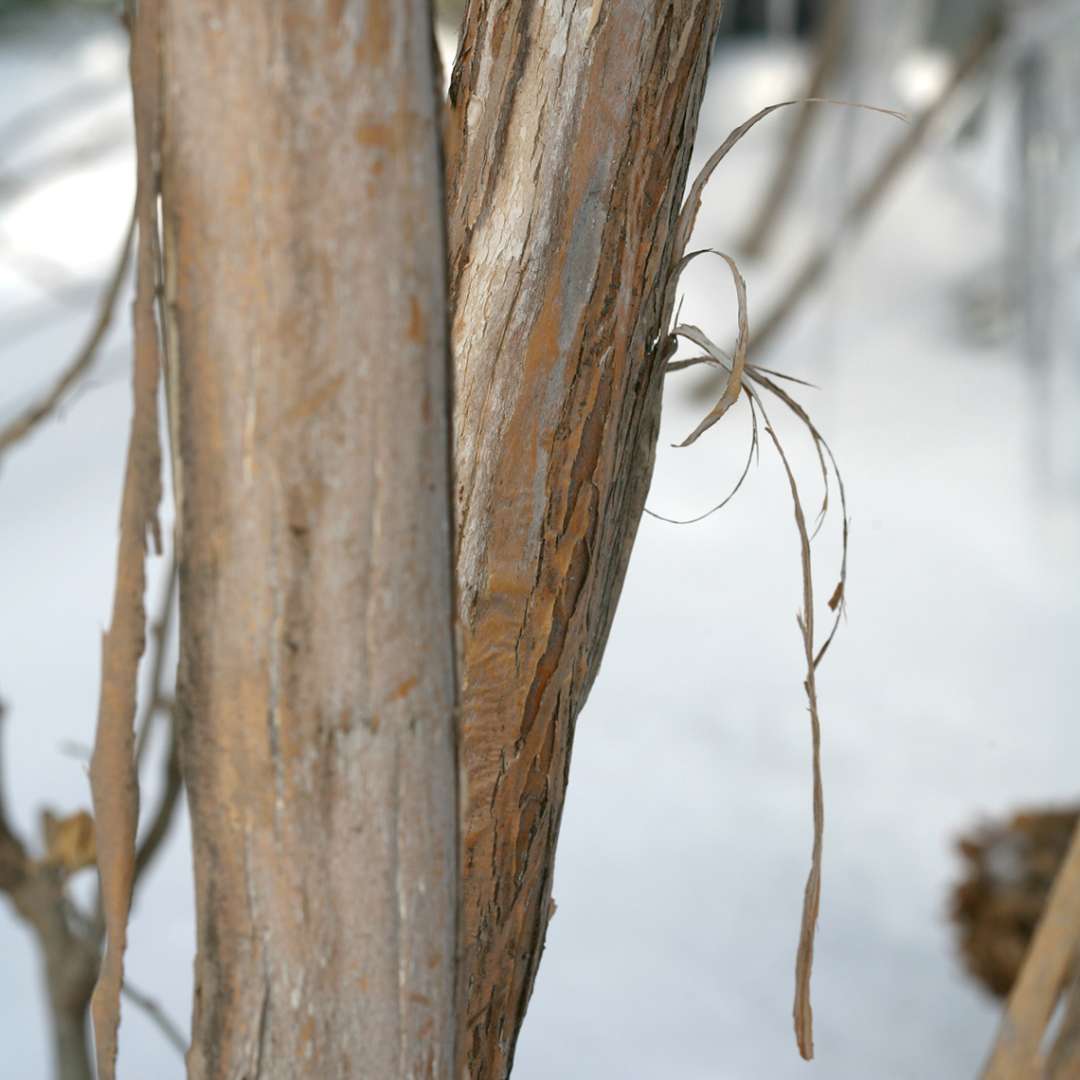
{"x":569,"y":138}
{"x":306,"y":318}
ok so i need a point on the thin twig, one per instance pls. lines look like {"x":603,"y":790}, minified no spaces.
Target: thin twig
{"x":13,"y":861}
{"x":35,"y":117}
{"x":891,"y":166}
{"x":166,"y":1025}
{"x":36,"y":891}
{"x":52,"y":277}
{"x":159,"y":636}
{"x":160,"y":821}
{"x":70,"y":159}
{"x":830,"y":47}
{"x":162,"y":818}
{"x":1063,"y":1060}
{"x":37,"y":316}
{"x":41,"y":410}
{"x":1016,"y":1054}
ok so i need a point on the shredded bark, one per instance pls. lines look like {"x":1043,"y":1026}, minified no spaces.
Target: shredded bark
{"x":113,"y":772}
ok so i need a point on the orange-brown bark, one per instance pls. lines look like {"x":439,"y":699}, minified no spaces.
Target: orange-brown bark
{"x":569,"y":138}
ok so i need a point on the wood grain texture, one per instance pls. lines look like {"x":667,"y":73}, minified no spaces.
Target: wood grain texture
{"x":307,"y":292}
{"x":569,"y":136}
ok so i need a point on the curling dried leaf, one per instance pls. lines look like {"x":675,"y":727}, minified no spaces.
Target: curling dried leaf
{"x":738,"y":361}
{"x":738,"y":483}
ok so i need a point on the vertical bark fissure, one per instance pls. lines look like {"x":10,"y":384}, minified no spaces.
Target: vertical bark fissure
{"x":564,"y":183}
{"x":302,"y":189}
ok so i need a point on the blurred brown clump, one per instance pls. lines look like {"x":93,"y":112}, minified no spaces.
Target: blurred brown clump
{"x":1009,"y":870}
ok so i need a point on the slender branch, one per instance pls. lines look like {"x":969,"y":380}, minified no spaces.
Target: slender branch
{"x":159,"y":635}
{"x":50,"y":276}
{"x":163,"y":815}
{"x":1016,"y":1053}
{"x":32,"y":119}
{"x":69,"y":160}
{"x":830,"y":47}
{"x":166,"y":1025}
{"x":36,"y":316}
{"x":891,"y":167}
{"x":1063,"y":1061}
{"x":42,"y":409}
{"x":13,"y":861}
{"x":36,"y":891}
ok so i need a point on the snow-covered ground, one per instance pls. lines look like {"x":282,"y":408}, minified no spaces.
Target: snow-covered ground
{"x":949,"y":694}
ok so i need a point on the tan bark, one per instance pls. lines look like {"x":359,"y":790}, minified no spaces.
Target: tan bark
{"x":569,"y":137}
{"x":306,"y":300}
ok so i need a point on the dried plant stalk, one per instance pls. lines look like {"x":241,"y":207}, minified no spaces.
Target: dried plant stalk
{"x":743,"y":376}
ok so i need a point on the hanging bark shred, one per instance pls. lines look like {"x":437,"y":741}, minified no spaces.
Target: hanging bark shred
{"x":113,"y":773}
{"x":570,"y":132}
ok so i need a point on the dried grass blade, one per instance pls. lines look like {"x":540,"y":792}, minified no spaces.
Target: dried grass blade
{"x":804,"y":960}
{"x":738,"y":361}
{"x":827,"y":460}
{"x":680,"y":365}
{"x":782,"y":375}
{"x":820,"y":446}
{"x":692,"y":204}
{"x":738,"y":484}
{"x":113,"y":769}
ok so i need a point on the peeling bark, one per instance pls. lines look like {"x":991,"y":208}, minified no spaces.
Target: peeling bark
{"x":114,"y":775}
{"x":306,"y":303}
{"x":569,"y":138}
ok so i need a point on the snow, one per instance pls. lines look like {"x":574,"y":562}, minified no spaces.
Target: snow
{"x":948,"y":695}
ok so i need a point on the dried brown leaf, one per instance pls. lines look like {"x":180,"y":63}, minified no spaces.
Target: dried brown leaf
{"x":69,"y":841}
{"x":837,"y":596}
{"x":38,"y":412}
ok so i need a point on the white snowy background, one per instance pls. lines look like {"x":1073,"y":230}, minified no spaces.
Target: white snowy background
{"x":949,"y":695}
